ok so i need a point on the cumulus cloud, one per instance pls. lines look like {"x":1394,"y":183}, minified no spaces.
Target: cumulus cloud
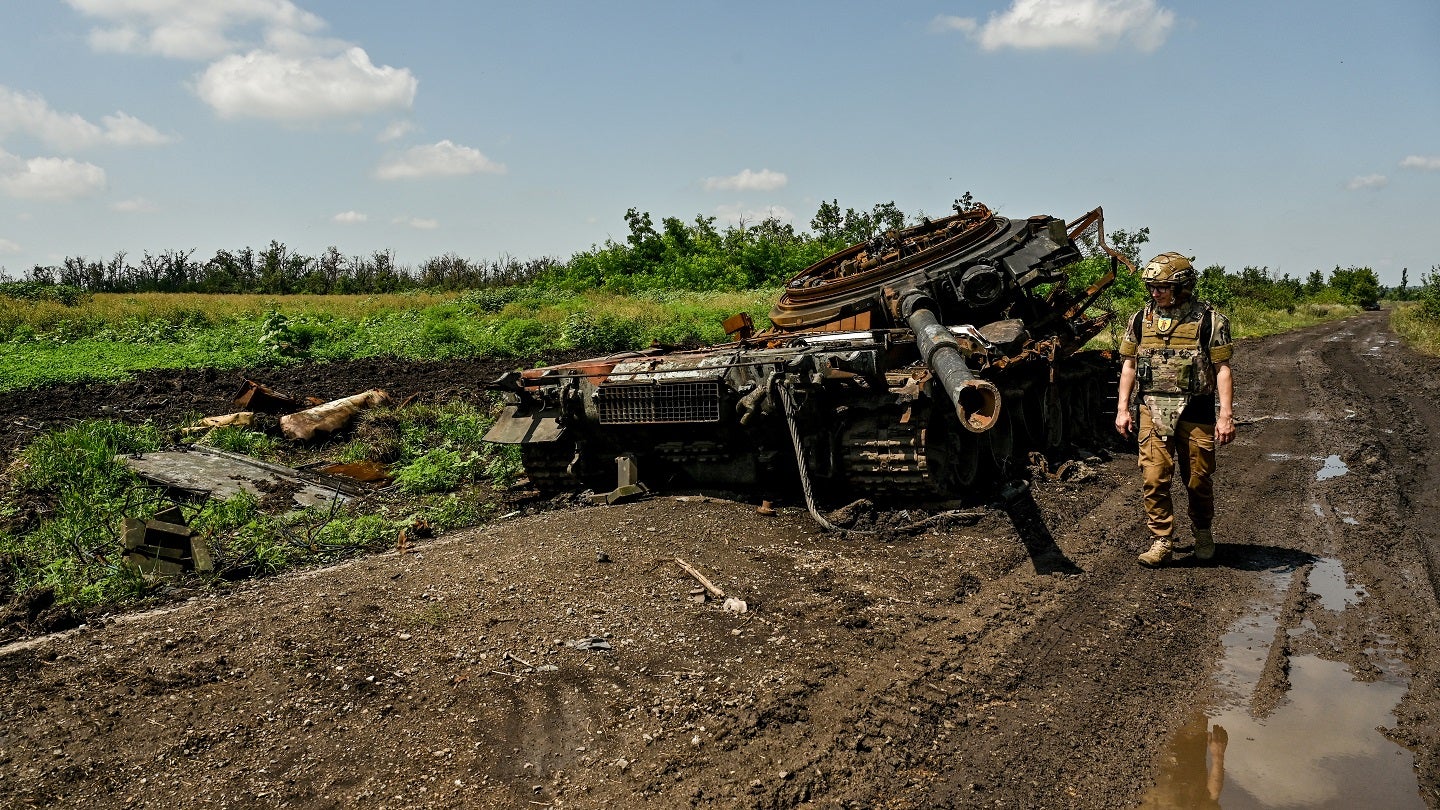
{"x":7,"y":246}
{"x":418,"y":223}
{"x":197,"y":29}
{"x":266,"y":57}
{"x":394,"y":131}
{"x":1087,"y":25}
{"x":49,"y":178}
{"x":262,"y":84}
{"x":1425,"y":163}
{"x":746,"y":180}
{"x":349,"y":218}
{"x":737,"y":213}
{"x":1367,"y":182}
{"x":443,"y":159}
{"x":32,"y":115}
{"x":137,"y":205}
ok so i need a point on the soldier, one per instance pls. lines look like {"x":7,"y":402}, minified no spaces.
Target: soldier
{"x":1177,"y":358}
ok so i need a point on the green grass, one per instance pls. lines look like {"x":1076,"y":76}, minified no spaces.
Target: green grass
{"x":64,"y":498}
{"x":1420,"y":332}
{"x":113,"y":337}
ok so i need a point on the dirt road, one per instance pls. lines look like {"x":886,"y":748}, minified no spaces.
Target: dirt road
{"x":558,"y":659}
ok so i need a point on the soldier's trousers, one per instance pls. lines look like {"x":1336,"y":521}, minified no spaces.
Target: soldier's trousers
{"x":1192,"y":451}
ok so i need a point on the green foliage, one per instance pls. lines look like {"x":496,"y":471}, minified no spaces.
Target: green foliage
{"x":1357,"y":285}
{"x":65,"y":294}
{"x":233,"y":439}
{"x":69,"y":545}
{"x":1429,"y":295}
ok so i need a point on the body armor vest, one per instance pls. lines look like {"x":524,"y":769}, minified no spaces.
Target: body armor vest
{"x":1173,"y":361}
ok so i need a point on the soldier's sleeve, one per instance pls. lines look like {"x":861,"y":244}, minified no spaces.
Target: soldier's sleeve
{"x":1222,"y":348}
{"x":1130,"y":344}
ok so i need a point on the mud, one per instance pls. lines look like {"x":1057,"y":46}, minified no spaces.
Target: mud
{"x":1023,"y":660}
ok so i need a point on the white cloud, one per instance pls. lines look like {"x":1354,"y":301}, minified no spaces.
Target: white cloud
{"x":738,"y":212}
{"x":418,"y":223}
{"x":7,"y":246}
{"x":395,"y":130}
{"x":1368,"y":182}
{"x":137,"y":205}
{"x":1087,"y":25}
{"x":443,"y":159}
{"x":32,"y":115}
{"x":349,"y":218}
{"x":1425,"y":163}
{"x":197,"y":29}
{"x":49,"y":178}
{"x":746,"y":180}
{"x":261,"y":84}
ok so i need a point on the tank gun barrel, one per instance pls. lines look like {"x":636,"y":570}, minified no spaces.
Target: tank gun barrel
{"x":977,"y":401}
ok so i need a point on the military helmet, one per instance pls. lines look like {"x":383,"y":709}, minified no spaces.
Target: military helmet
{"x":1169,"y":268}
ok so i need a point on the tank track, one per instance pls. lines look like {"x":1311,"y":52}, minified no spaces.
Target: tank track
{"x":884,"y":458}
{"x":548,"y":465}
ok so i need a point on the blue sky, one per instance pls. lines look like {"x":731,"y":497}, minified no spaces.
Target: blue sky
{"x":1294,"y":136}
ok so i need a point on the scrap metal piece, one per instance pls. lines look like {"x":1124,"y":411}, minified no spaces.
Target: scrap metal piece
{"x":224,"y":475}
{"x":330,"y":416}
{"x":253,"y":396}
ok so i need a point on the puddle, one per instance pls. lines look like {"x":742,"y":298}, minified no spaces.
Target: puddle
{"x":1327,"y":580}
{"x":1318,"y":748}
{"x":1333,"y":468}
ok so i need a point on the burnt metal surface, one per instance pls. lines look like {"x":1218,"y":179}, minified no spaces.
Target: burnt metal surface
{"x":917,"y":366}
{"x":224,"y":475}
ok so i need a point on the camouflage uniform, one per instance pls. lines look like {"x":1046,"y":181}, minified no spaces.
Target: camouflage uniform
{"x":1175,"y":351}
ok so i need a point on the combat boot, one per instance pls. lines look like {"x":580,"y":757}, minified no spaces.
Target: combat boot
{"x":1204,"y":544}
{"x":1159,"y":553}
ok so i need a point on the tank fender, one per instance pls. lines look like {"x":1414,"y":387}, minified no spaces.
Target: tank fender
{"x":535,"y":428}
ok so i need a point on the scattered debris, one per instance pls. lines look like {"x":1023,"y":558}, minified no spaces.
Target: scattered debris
{"x":372,"y":473}
{"x":165,"y":546}
{"x":330,"y":416}
{"x":224,"y":475}
{"x":592,"y":643}
{"x":253,"y":396}
{"x":238,"y":419}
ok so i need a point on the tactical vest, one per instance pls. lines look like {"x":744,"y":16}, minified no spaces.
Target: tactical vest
{"x":1174,"y":359}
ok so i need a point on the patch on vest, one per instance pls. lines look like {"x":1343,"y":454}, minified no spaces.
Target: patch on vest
{"x":1165,"y":411}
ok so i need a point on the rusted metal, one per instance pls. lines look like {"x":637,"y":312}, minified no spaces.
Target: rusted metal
{"x":253,"y":396}
{"x":917,"y":365}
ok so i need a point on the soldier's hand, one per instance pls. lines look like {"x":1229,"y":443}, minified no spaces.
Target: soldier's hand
{"x":1224,"y":430}
{"x":1124,"y":423}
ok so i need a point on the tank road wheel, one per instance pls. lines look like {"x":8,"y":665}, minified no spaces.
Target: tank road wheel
{"x":1029,"y":413}
{"x":549,"y":466}
{"x":1000,"y":440}
{"x":956,"y":454}
{"x":1054,"y":416}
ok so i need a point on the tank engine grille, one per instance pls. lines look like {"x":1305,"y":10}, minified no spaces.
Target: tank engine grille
{"x":659,"y":404}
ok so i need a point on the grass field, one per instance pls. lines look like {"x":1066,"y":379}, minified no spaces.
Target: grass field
{"x":111,"y":336}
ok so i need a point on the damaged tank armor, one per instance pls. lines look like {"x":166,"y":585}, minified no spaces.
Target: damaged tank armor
{"x":915,"y":366}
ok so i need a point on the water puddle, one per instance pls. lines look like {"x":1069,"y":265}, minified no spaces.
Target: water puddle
{"x":1333,"y":468}
{"x":1318,"y":747}
{"x":1327,"y":580}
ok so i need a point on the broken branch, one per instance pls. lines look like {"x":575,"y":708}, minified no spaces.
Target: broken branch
{"x":699,"y":577}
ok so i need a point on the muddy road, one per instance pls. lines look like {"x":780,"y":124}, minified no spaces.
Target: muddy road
{"x":558,"y":658}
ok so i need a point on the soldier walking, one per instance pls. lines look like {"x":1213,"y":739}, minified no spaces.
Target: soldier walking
{"x":1176,"y":358}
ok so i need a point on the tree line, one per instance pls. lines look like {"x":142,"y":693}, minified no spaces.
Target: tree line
{"x":673,"y":255}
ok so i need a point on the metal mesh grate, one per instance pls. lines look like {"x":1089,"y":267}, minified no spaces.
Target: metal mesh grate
{"x":659,"y":404}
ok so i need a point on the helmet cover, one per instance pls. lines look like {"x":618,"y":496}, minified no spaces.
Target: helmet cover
{"x":1169,"y":268}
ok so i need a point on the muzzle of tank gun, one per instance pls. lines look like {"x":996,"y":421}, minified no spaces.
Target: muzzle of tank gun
{"x":976,"y":401}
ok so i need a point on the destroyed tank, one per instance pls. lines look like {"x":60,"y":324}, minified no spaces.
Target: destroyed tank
{"x":919,"y":366}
